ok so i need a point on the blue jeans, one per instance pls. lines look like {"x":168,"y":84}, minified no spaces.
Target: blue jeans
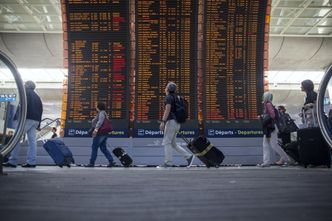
{"x":100,"y":141}
{"x":30,"y":130}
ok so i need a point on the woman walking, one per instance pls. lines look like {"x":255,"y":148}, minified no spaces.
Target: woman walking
{"x":99,"y":139}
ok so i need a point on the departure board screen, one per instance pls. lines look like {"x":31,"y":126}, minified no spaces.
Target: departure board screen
{"x":98,"y":58}
{"x":234,"y":68}
{"x":165,"y":51}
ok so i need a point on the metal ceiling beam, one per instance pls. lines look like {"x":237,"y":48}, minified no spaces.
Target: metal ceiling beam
{"x":301,"y":35}
{"x":33,"y":32}
{"x":305,"y":26}
{"x":299,"y":7}
{"x":41,"y":14}
{"x":305,"y":5}
{"x":282,"y":17}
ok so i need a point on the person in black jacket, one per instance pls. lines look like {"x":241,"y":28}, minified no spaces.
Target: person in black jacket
{"x":54,"y":134}
{"x":33,"y":119}
{"x":308,"y":114}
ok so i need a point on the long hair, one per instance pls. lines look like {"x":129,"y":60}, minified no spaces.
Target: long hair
{"x":307,"y":85}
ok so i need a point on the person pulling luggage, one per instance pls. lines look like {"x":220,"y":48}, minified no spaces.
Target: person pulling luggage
{"x":270,"y":131}
{"x":171,"y":127}
{"x":99,"y":139}
{"x":32,"y":124}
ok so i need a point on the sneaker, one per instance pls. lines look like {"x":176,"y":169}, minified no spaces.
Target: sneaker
{"x":263,"y":165}
{"x":26,"y":165}
{"x":190,"y":160}
{"x":112,"y":164}
{"x":7,"y":164}
{"x":165,"y":165}
{"x":89,"y":165}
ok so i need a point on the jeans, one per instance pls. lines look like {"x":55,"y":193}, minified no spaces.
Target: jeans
{"x":30,"y":129}
{"x":100,"y":141}
{"x":169,"y":141}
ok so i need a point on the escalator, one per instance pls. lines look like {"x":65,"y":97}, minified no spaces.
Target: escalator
{"x":12,"y":100}
{"x":46,"y":126}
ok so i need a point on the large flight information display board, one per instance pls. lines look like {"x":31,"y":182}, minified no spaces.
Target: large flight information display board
{"x":234,"y":68}
{"x":166,"y":51}
{"x":98,"y":64}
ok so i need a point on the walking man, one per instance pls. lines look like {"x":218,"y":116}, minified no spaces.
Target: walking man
{"x":171,"y":127}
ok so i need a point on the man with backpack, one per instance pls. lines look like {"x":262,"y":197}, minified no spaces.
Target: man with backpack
{"x":171,"y":125}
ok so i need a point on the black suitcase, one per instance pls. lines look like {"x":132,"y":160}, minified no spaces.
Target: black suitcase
{"x":313,"y":148}
{"x":59,"y":152}
{"x":205,"y":151}
{"x":124,"y":158}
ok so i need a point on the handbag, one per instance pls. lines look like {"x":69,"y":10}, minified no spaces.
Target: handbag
{"x":105,"y":128}
{"x":290,"y":126}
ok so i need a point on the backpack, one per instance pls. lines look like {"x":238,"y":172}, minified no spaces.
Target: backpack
{"x":180,"y":107}
{"x":278,"y":120}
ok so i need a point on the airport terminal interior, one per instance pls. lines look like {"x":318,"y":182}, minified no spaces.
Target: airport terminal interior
{"x":223,"y":55}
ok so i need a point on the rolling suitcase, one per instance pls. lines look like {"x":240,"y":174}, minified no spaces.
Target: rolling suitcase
{"x":59,"y":152}
{"x":313,"y":148}
{"x":124,"y":158}
{"x":205,"y":151}
{"x":292,"y":150}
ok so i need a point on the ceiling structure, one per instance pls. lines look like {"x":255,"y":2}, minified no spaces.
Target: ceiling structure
{"x":302,"y":18}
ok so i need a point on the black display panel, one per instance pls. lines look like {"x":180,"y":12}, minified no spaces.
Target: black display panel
{"x":98,"y":64}
{"x":166,"y":51}
{"x":234,"y":67}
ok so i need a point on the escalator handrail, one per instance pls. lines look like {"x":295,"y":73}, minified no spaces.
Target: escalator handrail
{"x":48,"y":124}
{"x":320,"y":106}
{"x":22,"y":107}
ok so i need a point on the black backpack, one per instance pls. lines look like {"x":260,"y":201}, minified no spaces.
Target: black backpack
{"x":180,"y":108}
{"x":279,"y":120}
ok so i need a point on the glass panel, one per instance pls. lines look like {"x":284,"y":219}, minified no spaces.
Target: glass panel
{"x":321,"y":3}
{"x":326,"y":22}
{"x":321,"y":31}
{"x":285,"y":12}
{"x":279,"y":21}
{"x":288,"y":3}
{"x":305,"y":22}
{"x":9,"y":99}
{"x":275,"y":30}
{"x":296,"y":31}
{"x":314,"y":12}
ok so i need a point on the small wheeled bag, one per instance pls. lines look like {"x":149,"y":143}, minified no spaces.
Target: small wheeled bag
{"x":205,"y":151}
{"x":124,"y":158}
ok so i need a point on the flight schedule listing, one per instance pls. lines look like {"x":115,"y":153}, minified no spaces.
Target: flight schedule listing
{"x":165,"y":51}
{"x":234,"y":55}
{"x":98,"y":57}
